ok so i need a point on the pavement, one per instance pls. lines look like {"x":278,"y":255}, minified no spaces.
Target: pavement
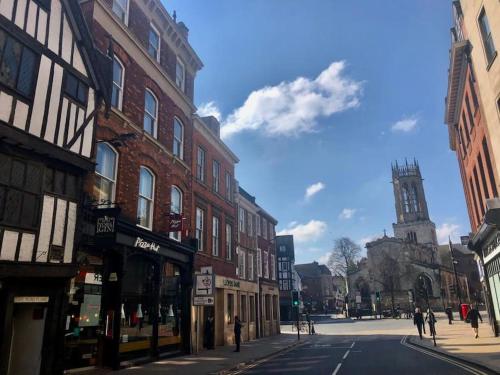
{"x":458,"y":340}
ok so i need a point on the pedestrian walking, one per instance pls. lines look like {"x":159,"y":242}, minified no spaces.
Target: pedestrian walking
{"x":237,"y":333}
{"x":418,"y":320}
{"x":431,"y":319}
{"x":473,"y":316}
{"x":209,"y":333}
{"x":449,"y":314}
{"x":308,"y":318}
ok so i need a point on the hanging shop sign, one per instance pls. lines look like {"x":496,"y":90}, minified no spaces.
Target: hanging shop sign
{"x":203,"y":301}
{"x":31,"y":299}
{"x":105,"y":224}
{"x":204,"y":285}
{"x":175,"y":222}
{"x":146,"y":245}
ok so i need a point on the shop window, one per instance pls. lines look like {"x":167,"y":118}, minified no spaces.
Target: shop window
{"x":145,"y":202}
{"x":275,"y":307}
{"x":230,"y":308}
{"x":170,"y":305}
{"x":251,"y":302}
{"x":243,"y":309}
{"x":105,"y":178}
{"x":267,"y":303}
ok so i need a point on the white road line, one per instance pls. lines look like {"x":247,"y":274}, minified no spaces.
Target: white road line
{"x":337,"y":369}
{"x":345,"y":355}
{"x":352,"y":346}
{"x":443,"y":358}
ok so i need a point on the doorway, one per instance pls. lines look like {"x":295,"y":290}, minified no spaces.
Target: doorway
{"x":28,"y":324}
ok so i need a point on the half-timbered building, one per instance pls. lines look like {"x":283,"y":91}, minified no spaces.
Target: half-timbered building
{"x":50,"y":91}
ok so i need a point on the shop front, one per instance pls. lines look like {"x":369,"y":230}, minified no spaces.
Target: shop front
{"x":270,"y":309}
{"x":131,"y":297}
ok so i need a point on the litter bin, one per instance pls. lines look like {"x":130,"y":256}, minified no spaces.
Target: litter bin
{"x":464,"y":310}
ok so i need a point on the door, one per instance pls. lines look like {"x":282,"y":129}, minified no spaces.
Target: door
{"x":28,"y":323}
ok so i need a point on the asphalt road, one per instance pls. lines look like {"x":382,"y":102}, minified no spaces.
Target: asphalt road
{"x":365,"y":347}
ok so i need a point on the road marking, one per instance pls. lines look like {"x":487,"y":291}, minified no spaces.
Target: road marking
{"x":468,"y":368}
{"x":337,"y":369}
{"x":345,"y":355}
{"x":352,"y":346}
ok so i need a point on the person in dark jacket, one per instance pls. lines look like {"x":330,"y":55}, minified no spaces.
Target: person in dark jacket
{"x":473,"y":316}
{"x":209,"y":333}
{"x":418,"y":320}
{"x":449,"y":314}
{"x":237,"y":333}
{"x":431,"y":319}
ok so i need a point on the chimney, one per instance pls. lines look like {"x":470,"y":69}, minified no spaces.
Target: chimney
{"x":183,"y":29}
{"x":213,"y":124}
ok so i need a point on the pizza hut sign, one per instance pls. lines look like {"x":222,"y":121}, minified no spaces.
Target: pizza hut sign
{"x":146,"y":245}
{"x":175,"y":223}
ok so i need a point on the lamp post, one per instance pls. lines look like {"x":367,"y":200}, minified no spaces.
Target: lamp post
{"x":457,"y":284}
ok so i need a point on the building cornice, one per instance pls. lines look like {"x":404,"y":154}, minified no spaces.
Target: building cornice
{"x":216,"y":142}
{"x":456,"y":80}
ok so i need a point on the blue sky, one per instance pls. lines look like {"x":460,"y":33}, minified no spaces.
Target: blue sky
{"x":326,"y":94}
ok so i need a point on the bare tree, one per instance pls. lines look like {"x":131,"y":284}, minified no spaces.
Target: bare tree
{"x":345,"y":254}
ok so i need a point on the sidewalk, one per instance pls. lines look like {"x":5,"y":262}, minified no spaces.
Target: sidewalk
{"x":218,"y":360}
{"x":458,"y":340}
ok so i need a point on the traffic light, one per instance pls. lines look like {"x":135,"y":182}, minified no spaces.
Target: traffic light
{"x":377,"y":296}
{"x":295,"y":298}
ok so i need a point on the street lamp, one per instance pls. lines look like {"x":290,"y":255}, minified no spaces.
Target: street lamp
{"x":457,"y":284}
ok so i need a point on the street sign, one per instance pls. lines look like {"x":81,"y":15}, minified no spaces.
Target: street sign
{"x":204,"y":285}
{"x":203,"y":301}
{"x":205,"y":270}
{"x":358,"y":299}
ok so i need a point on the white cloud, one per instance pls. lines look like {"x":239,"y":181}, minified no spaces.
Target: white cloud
{"x":347,"y":213}
{"x":292,"y":108}
{"x":324,"y":258}
{"x":363,"y":241}
{"x":308,"y":232}
{"x":209,"y":109}
{"x":446,"y":230}
{"x":405,"y":125}
{"x":313,"y":190}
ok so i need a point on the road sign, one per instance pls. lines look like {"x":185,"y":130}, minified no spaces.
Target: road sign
{"x":204,"y":285}
{"x":203,"y":301}
{"x":358,"y":299}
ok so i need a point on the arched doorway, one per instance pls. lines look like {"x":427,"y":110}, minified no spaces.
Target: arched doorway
{"x":423,"y":290}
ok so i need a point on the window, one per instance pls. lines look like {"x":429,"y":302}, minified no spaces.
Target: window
{"x":76,"y":89}
{"x":117,"y":93}
{"x":250,"y":224}
{"x":200,"y":164}
{"x":483,"y":176}
{"x":273,"y":268}
{"x":267,"y":302}
{"x":229,"y":242}
{"x":282,"y":248}
{"x":216,"y":176}
{"x":120,"y":8}
{"x":489,"y":46}
{"x":266,"y":264}
{"x":105,"y":179}
{"x":275,"y":307}
{"x":406,"y":198}
{"x":264,"y":228}
{"x":241,"y":220}
{"x":230,"y":308}
{"x":469,"y":111}
{"x":180,"y":74}
{"x":251,"y":300}
{"x":250,"y":267}
{"x":150,"y":113}
{"x":229,"y":187}
{"x":489,"y":168}
{"x":478,"y":190}
{"x":200,"y":219}
{"x":215,"y":236}
{"x":258,"y":225}
{"x":175,"y":208}
{"x":271,"y":231}
{"x":154,"y":43}
{"x":18,"y":65}
{"x":259,"y":262}
{"x":241,"y":263}
{"x":243,"y":309}
{"x":178,"y":148}
{"x":145,"y":204}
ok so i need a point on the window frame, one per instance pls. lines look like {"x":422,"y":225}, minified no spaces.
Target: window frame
{"x":182,"y":85}
{"x":242,"y":264}
{"x":151,"y":200}
{"x":250,"y":267}
{"x":200,"y":168}
{"x":200,"y":231}
{"x":70,"y":95}
{"x":176,"y":236}
{"x":153,"y":28}
{"x":486,"y":38}
{"x":120,"y":88}
{"x":215,"y":236}
{"x":215,"y":176}
{"x":259,"y":262}
{"x":229,"y":241}
{"x":113,"y":182}
{"x":229,"y":186}
{"x":155,"y":118}
{"x":241,"y":219}
{"x":180,"y":143}
{"x":126,"y":11}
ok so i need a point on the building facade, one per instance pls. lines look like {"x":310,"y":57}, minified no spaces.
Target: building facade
{"x":133,"y":288}
{"x":50,"y":89}
{"x":318,"y":290}
{"x":472,"y":114}
{"x":286,"y":275}
{"x":214,"y":222}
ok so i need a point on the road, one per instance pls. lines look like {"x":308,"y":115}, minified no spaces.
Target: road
{"x":361,"y":347}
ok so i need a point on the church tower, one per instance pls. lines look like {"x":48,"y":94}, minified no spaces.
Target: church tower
{"x":413,"y":222}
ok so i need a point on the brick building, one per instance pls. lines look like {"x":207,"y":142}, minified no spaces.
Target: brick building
{"x":472,"y":114}
{"x":133,"y":289}
{"x":214,"y":222}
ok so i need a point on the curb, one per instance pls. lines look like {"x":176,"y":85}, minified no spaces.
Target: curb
{"x":242,"y":365}
{"x":412,"y":341}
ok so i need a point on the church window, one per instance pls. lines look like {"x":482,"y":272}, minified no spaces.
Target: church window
{"x":406,"y":199}
{"x":414,"y":199}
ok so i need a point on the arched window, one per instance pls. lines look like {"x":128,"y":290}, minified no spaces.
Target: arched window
{"x":406,"y":198}
{"x":176,"y":208}
{"x":118,"y":79}
{"x":105,"y":179}
{"x":146,"y":198}
{"x":178,"y":147}
{"x":150,"y":113}
{"x":414,"y":200}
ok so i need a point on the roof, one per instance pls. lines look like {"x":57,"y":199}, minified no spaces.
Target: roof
{"x":313,"y":269}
